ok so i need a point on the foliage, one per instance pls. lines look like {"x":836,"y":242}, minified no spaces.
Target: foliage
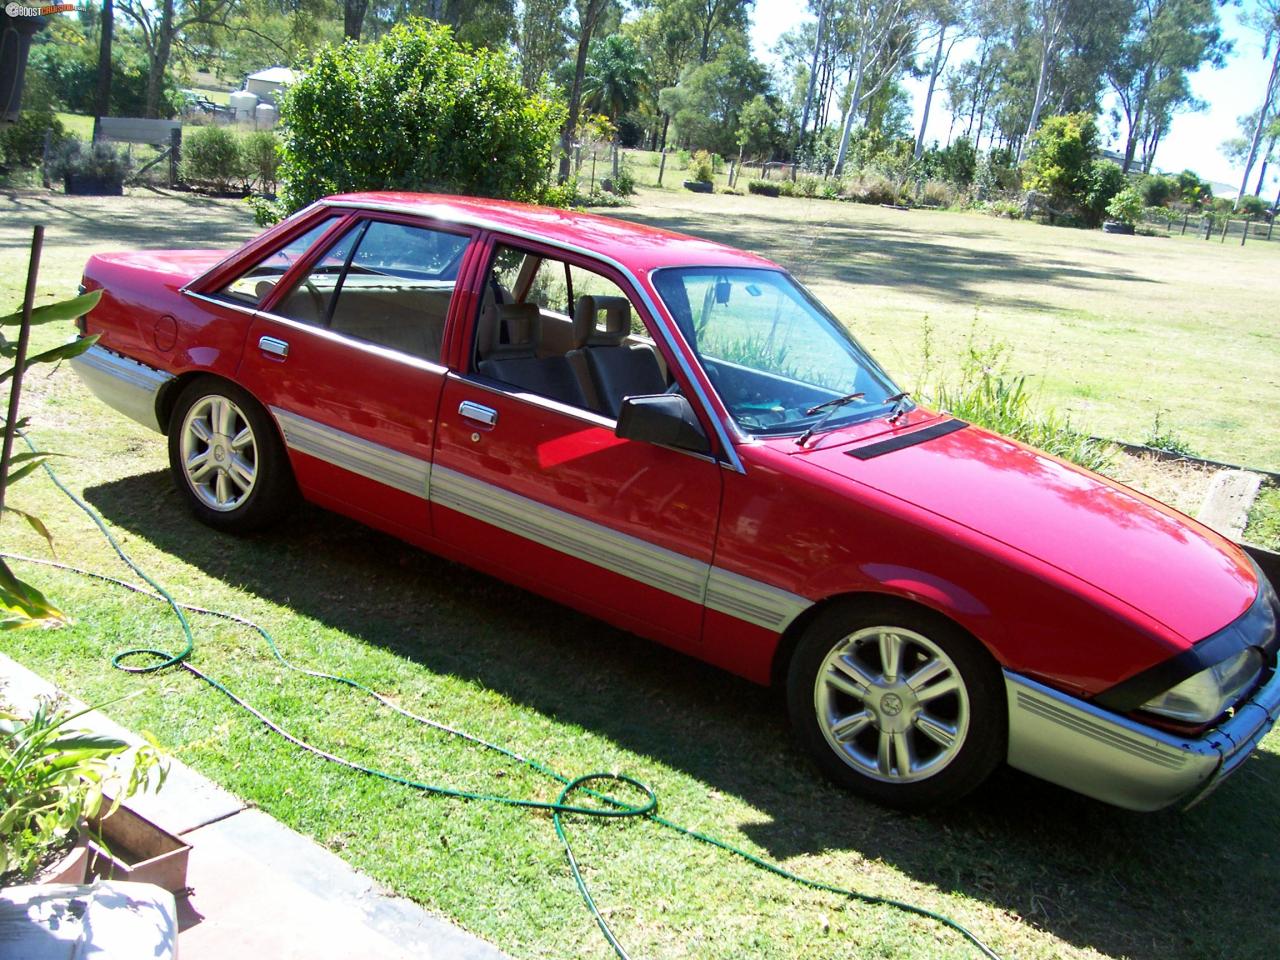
{"x":71,"y":71}
{"x":1162,"y":437}
{"x":757,"y":126}
{"x":1193,"y":190}
{"x":415,"y":110}
{"x":1104,"y":181}
{"x":54,"y":777}
{"x":707,"y":105}
{"x":260,"y":158}
{"x":624,"y":184}
{"x":1253,"y":207}
{"x":988,"y":394}
{"x":956,"y":163}
{"x":871,"y":188}
{"x":22,"y":143}
{"x":22,"y":605}
{"x":1157,"y":190}
{"x":100,"y":161}
{"x":936,"y":193}
{"x":701,"y":168}
{"x":1061,"y":157}
{"x":611,"y":84}
{"x":212,"y":154}
{"x":1126,"y":206}
{"x":763,"y":188}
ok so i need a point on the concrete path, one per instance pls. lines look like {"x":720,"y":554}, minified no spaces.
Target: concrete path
{"x":259,"y":889}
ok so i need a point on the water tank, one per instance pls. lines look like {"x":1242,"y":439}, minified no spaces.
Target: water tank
{"x":265,"y":116}
{"x":243,"y":103}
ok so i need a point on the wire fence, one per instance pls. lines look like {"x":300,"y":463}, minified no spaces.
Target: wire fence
{"x":1211,"y":227}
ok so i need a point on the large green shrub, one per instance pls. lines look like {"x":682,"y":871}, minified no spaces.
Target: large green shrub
{"x":1104,"y":180}
{"x":72,"y":74}
{"x":1157,"y":190}
{"x":415,"y":110}
{"x":1126,"y":206}
{"x":1061,"y":158}
{"x":260,"y":158}
{"x":22,"y":143}
{"x":212,"y":154}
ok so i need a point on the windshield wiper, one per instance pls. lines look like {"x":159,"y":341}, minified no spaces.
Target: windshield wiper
{"x":899,"y":401}
{"x":831,"y":406}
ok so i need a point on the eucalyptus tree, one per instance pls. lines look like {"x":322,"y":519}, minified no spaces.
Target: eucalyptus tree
{"x":541,"y":39}
{"x":162,"y":26}
{"x":588,"y":15}
{"x":884,"y":38}
{"x":1048,"y":22}
{"x":952,"y":21}
{"x":1265,"y":18}
{"x":1166,"y":40}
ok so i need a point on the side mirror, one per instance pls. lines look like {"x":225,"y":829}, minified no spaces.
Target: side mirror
{"x":666,"y":418}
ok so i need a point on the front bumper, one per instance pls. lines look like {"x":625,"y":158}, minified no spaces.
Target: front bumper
{"x":1113,"y":758}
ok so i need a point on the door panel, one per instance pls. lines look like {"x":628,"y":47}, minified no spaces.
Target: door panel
{"x":630,"y":525}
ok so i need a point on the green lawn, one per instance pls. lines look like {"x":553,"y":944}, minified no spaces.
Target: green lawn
{"x":1039,"y":872}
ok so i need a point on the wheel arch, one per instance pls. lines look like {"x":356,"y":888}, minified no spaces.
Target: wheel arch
{"x":791,"y":636}
{"x":168,"y":394}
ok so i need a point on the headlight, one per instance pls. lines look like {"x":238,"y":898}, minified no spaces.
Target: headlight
{"x":1208,"y":694}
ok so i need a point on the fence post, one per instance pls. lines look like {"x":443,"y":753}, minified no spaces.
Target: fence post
{"x":175,"y":156}
{"x":1226,"y":225}
{"x":1245,"y":236}
{"x":1185,"y":217}
{"x":1272,"y":225}
{"x":662,"y":165}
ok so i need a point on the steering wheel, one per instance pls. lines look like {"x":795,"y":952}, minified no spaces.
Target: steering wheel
{"x":317,"y":298}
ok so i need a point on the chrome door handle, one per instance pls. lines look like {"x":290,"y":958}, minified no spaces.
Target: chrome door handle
{"x":274,"y":347}
{"x":480,"y":414}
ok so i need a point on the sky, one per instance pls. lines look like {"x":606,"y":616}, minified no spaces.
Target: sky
{"x":1194,"y":139}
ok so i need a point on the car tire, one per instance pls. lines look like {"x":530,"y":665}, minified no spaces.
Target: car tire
{"x":915,"y":734}
{"x":226,"y":457}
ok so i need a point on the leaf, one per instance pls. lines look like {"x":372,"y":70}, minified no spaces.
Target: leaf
{"x":52,"y":312}
{"x":65,"y":351}
{"x":35,"y":522}
{"x":22,"y":605}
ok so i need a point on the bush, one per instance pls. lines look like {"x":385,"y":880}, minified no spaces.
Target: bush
{"x":1126,"y":206}
{"x":700,"y":167}
{"x":1008,"y":209}
{"x":871,"y":188}
{"x":957,"y":163}
{"x":1157,"y":191}
{"x":99,"y":161}
{"x":22,"y":143}
{"x":415,"y":110}
{"x":763,"y":188}
{"x":935,"y":193}
{"x":72,"y":74}
{"x":1060,"y":163}
{"x":1254,"y":207}
{"x":260,"y":159}
{"x":212,"y":154}
{"x":1104,"y":181}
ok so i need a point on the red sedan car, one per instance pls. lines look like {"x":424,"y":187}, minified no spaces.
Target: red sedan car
{"x":675,"y":437}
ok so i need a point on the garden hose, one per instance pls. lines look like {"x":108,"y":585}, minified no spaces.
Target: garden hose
{"x":609,"y":806}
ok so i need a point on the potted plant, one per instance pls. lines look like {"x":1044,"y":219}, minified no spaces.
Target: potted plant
{"x":93,"y":169}
{"x":54,"y":778}
{"x":701,"y":172}
{"x":1124,"y":209}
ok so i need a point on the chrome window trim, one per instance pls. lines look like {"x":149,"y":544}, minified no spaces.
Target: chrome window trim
{"x":229,"y":304}
{"x":453,"y":216}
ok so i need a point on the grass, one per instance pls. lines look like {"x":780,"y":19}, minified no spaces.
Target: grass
{"x":1264,"y":519}
{"x":1040,"y":872}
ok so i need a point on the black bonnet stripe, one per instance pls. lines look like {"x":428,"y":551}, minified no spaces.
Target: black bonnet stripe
{"x":906,"y":440}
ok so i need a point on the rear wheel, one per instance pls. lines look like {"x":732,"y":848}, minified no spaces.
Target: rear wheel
{"x":227,"y":459}
{"x":897,"y":703}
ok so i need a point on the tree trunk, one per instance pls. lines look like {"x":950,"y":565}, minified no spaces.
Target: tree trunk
{"x":585,"y":27}
{"x":666,"y":122}
{"x":1262,"y":174}
{"x":1039,"y":101}
{"x":854,"y":101}
{"x":159,"y":59}
{"x":928,"y":97}
{"x":1131,"y":142}
{"x":813,"y":75}
{"x":353,"y":18}
{"x":102,"y":100}
{"x":1257,"y":127}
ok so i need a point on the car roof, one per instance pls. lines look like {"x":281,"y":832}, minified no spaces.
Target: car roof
{"x":640,"y":248}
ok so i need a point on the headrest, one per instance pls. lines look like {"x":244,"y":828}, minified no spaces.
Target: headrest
{"x":518,"y":328}
{"x":586,"y":320}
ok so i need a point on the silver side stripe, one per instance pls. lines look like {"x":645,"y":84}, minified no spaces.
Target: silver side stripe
{"x":363,"y":457}
{"x":682,"y":576}
{"x":753,"y":601}
{"x":614,"y":551}
{"x":1104,"y":735}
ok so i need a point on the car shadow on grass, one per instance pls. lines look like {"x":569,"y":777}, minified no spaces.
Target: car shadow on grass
{"x":865,"y":253}
{"x":1193,"y":884}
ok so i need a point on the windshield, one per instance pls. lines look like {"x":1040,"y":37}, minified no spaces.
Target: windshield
{"x":772,"y":351}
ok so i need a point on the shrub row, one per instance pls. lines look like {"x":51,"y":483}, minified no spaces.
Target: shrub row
{"x":225,"y":159}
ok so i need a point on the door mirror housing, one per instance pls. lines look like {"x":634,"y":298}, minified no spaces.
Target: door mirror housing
{"x":665,"y":418}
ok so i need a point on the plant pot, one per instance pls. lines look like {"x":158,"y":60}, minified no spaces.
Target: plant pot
{"x":698,"y":186}
{"x":84,"y":185}
{"x":1115,"y":226}
{"x":137,"y":850}
{"x":73,"y":867}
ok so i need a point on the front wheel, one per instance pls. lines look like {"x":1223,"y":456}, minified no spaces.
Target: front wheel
{"x":897,"y":703}
{"x":227,"y":459}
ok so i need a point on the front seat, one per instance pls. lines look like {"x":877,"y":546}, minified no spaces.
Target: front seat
{"x":617,"y":369}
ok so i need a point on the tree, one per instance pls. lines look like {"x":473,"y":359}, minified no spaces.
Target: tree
{"x":161,"y":28}
{"x":1049,"y":17}
{"x":757,"y":127}
{"x":1167,"y":39}
{"x":884,"y":37}
{"x":541,"y":39}
{"x":1266,"y":20}
{"x":945,"y":15}
{"x":353,"y":12}
{"x":707,"y":104}
{"x":414,"y":110}
{"x":588,"y":14}
{"x":611,"y":84}
{"x":102,"y":103}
